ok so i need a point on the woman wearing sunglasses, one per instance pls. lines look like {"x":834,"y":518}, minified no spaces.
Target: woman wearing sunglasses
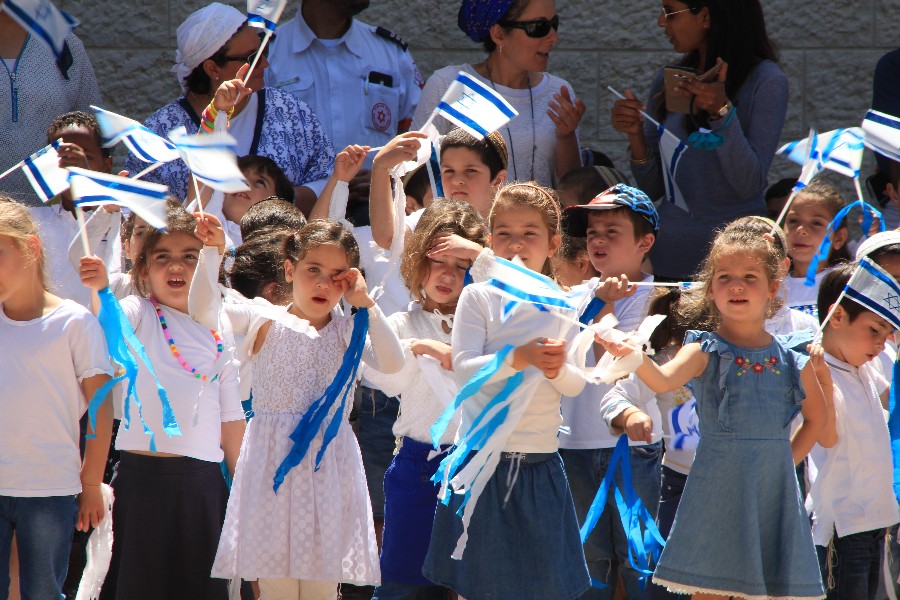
{"x":214,"y":44}
{"x":722,"y":175}
{"x":518,"y":36}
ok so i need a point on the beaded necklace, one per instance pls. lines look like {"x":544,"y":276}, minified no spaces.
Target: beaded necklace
{"x":174,"y":348}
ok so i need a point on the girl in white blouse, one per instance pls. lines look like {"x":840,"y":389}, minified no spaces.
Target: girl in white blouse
{"x":170,"y":492}
{"x":52,"y":360}
{"x":524,"y":521}
{"x":424,"y":332}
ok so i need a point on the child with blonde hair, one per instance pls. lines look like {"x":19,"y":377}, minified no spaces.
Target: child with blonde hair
{"x":754,"y":539}
{"x":53,"y":359}
{"x":172,"y":476}
{"x":525,"y":508}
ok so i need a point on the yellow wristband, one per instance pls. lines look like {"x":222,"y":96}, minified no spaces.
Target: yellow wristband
{"x":213,"y":111}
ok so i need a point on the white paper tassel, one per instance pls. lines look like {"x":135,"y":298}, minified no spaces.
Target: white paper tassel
{"x":99,"y":551}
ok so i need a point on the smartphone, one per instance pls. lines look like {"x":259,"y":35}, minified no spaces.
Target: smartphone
{"x":674,"y":75}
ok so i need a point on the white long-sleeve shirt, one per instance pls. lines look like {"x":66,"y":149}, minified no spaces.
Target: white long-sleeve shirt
{"x":382,"y":349}
{"x":478,"y":335}
{"x":420,"y":407}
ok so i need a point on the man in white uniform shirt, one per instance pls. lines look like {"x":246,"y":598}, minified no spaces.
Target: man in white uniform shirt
{"x":359,"y":79}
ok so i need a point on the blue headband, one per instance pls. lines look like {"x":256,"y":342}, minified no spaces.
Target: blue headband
{"x":476,"y":17}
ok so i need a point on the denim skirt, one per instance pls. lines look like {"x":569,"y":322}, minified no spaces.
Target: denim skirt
{"x":525,"y":547}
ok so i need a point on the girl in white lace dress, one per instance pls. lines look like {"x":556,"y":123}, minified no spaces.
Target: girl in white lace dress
{"x":316,"y":530}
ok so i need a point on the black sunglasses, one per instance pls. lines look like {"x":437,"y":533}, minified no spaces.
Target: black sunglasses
{"x":252,"y":56}
{"x":534,"y":29}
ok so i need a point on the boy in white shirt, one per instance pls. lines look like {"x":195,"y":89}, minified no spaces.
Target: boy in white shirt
{"x":852,"y":498}
{"x":620,"y":225}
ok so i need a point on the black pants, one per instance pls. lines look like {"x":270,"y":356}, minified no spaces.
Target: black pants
{"x":856,"y":565}
{"x":167,"y":519}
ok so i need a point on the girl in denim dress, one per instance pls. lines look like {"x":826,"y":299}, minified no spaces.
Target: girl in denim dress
{"x":741,"y":529}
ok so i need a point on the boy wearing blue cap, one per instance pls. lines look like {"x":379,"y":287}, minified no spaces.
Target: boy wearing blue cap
{"x":620,"y":225}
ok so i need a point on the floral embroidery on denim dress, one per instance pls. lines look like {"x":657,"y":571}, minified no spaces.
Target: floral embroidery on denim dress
{"x":745,"y":365}
{"x":741,"y":528}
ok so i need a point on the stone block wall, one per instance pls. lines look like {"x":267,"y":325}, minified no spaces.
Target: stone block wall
{"x":828,"y":50}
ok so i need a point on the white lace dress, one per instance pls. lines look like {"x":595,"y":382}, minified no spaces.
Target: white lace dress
{"x":319,"y":525}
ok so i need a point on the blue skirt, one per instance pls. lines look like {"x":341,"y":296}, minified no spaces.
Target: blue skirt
{"x":528,"y":548}
{"x":409,"y":501}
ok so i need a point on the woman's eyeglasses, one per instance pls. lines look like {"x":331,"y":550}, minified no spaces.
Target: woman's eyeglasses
{"x":665,"y":14}
{"x":534,"y":29}
{"x":250,"y":57}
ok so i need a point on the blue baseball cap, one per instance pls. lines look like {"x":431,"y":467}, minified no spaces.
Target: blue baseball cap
{"x":619,"y":195}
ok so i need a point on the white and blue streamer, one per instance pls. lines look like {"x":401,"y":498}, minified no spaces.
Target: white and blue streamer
{"x":645,"y":543}
{"x":869,"y":213}
{"x":314,"y":418}
{"x":468,"y":469}
{"x":119,"y":336}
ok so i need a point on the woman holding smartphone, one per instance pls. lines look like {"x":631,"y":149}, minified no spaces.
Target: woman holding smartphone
{"x":735,"y":118}
{"x":518,"y":36}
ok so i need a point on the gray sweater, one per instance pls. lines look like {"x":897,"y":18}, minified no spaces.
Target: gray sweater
{"x":718,"y":185}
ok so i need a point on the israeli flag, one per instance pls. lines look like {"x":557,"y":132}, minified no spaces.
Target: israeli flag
{"x":265,"y":13}
{"x":43,"y":20}
{"x":211,"y":158}
{"x":519,"y":283}
{"x":671,"y":149}
{"x":840,"y":150}
{"x":44,"y":174}
{"x":146,"y":200}
{"x":142,"y":142}
{"x":875,"y":289}
{"x":882,"y":133}
{"x":475,"y":108}
{"x":685,"y":425}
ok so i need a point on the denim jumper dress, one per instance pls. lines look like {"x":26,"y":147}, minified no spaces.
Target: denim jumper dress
{"x":741,"y":528}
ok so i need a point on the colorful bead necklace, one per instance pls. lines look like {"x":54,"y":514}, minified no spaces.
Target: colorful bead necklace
{"x":174,"y":348}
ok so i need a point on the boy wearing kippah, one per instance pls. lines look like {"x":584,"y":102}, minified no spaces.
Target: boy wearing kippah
{"x":852,"y":498}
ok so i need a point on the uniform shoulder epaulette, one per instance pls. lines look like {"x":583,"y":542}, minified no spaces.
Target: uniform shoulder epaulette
{"x":391,"y":37}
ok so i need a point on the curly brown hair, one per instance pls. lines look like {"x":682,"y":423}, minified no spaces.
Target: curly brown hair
{"x":443,"y":217}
